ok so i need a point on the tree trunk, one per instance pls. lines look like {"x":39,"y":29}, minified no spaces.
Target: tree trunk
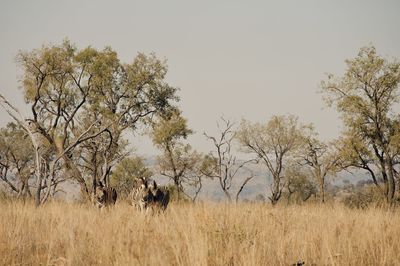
{"x":178,"y":190}
{"x":38,"y":189}
{"x":322,"y":189}
{"x":242,"y":186}
{"x":276,"y":192}
{"x":39,"y":173}
{"x":391,"y":182}
{"x":226,"y":192}
{"x":198,"y":191}
{"x":21,"y":188}
{"x":52,"y":173}
{"x":76,"y":174}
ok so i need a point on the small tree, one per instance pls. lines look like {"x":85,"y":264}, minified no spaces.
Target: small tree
{"x":223,"y":165}
{"x":16,"y":158}
{"x":322,"y":160}
{"x":273,"y":143}
{"x":178,"y":160}
{"x":299,"y":184}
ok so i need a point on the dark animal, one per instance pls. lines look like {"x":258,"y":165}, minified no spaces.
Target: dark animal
{"x":160,"y":197}
{"x":104,"y":196}
{"x":147,"y":196}
{"x":299,"y":263}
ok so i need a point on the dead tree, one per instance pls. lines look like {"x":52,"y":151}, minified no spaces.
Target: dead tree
{"x":223,"y":165}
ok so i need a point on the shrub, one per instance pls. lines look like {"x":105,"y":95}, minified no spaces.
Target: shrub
{"x":363,"y":198}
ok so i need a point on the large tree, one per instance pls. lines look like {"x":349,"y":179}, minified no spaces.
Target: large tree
{"x":273,"y":143}
{"x":366,"y":97}
{"x":79,"y":95}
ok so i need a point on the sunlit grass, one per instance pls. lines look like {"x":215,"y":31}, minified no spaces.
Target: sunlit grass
{"x":202,"y":234}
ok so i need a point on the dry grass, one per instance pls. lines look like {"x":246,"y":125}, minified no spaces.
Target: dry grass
{"x":203,"y":234}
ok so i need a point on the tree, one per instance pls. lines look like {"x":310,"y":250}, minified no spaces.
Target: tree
{"x":366,"y":97}
{"x":273,"y":143}
{"x":322,"y":160}
{"x":16,"y":157}
{"x":150,"y":96}
{"x":178,"y":160}
{"x":299,"y":184}
{"x":96,"y":158}
{"x":78,"y":96}
{"x":126,"y":172}
{"x":223,"y":165}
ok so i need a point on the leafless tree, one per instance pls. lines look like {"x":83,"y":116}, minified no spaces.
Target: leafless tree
{"x":223,"y":165}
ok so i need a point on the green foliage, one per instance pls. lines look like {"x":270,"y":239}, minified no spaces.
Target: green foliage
{"x":281,"y":135}
{"x":15,"y":144}
{"x":16,"y":158}
{"x":300,"y":185}
{"x":176,"y":195}
{"x":83,"y":100}
{"x":126,"y":172}
{"x":167,"y":131}
{"x":366,"y":97}
{"x":274,"y":143}
{"x":63,"y":83}
{"x":321,"y":160}
{"x":209,"y":165}
{"x":178,"y":160}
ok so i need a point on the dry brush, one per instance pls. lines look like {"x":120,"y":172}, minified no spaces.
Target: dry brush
{"x":200,"y":234}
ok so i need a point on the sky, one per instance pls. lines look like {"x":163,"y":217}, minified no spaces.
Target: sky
{"x":237,"y":59}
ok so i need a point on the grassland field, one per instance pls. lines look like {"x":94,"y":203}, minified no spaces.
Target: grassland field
{"x":208,"y":233}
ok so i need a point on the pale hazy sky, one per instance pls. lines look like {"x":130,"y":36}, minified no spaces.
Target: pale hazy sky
{"x":240,"y":59}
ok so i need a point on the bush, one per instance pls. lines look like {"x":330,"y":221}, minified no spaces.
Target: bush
{"x":363,"y":198}
{"x":173,"y":194}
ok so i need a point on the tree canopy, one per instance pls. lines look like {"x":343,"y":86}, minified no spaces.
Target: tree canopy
{"x":366,"y":96}
{"x":85,"y":95}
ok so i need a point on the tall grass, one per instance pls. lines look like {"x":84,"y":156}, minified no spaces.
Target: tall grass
{"x":203,"y":234}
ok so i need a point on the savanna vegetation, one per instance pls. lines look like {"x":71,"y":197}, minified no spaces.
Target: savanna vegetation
{"x":198,"y":234}
{"x":82,"y":104}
